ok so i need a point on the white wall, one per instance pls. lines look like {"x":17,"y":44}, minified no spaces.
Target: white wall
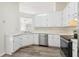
{"x":11,"y":17}
{"x":1,"y":38}
{"x":1,"y":32}
{"x":9,"y":21}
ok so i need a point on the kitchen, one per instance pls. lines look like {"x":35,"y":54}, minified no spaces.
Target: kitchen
{"x":40,"y":24}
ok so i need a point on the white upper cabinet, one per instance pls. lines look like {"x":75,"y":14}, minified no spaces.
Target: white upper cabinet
{"x":49,"y":20}
{"x":40,"y":21}
{"x":57,"y":18}
{"x":70,"y":13}
{"x":73,"y":10}
{"x":65,"y":17}
{"x":54,"y":19}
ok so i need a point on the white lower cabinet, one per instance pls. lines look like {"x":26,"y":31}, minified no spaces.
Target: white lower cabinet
{"x":22,"y":40}
{"x":54,"y":40}
{"x":36,"y":39}
{"x":29,"y":39}
{"x":16,"y":44}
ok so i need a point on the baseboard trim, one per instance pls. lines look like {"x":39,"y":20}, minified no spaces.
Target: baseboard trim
{"x":2,"y":54}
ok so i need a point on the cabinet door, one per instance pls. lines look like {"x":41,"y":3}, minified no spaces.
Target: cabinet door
{"x":37,"y":21}
{"x":30,"y":39}
{"x":51,"y":20}
{"x":72,"y":10}
{"x":50,"y":40}
{"x":67,"y":15}
{"x":36,"y":39}
{"x":55,"y":19}
{"x":40,"y":21}
{"x":27,"y":39}
{"x":54,"y":40}
{"x":44,"y":21}
{"x":16,"y":43}
{"x":65,"y":18}
{"x":75,"y":9}
{"x":58,"y":19}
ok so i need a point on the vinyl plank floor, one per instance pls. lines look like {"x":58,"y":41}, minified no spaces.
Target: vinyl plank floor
{"x":37,"y":51}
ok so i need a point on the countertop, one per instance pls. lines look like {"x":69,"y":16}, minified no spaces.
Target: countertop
{"x":22,"y":33}
{"x":67,"y":37}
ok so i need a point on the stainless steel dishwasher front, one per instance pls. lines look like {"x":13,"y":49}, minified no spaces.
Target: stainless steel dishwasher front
{"x":43,"y":39}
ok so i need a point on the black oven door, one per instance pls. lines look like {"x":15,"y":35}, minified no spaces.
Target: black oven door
{"x":66,"y":47}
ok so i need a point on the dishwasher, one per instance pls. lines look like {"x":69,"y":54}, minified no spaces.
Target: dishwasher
{"x":43,"y":39}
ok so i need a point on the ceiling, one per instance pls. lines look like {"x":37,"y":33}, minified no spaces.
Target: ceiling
{"x":41,"y":7}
